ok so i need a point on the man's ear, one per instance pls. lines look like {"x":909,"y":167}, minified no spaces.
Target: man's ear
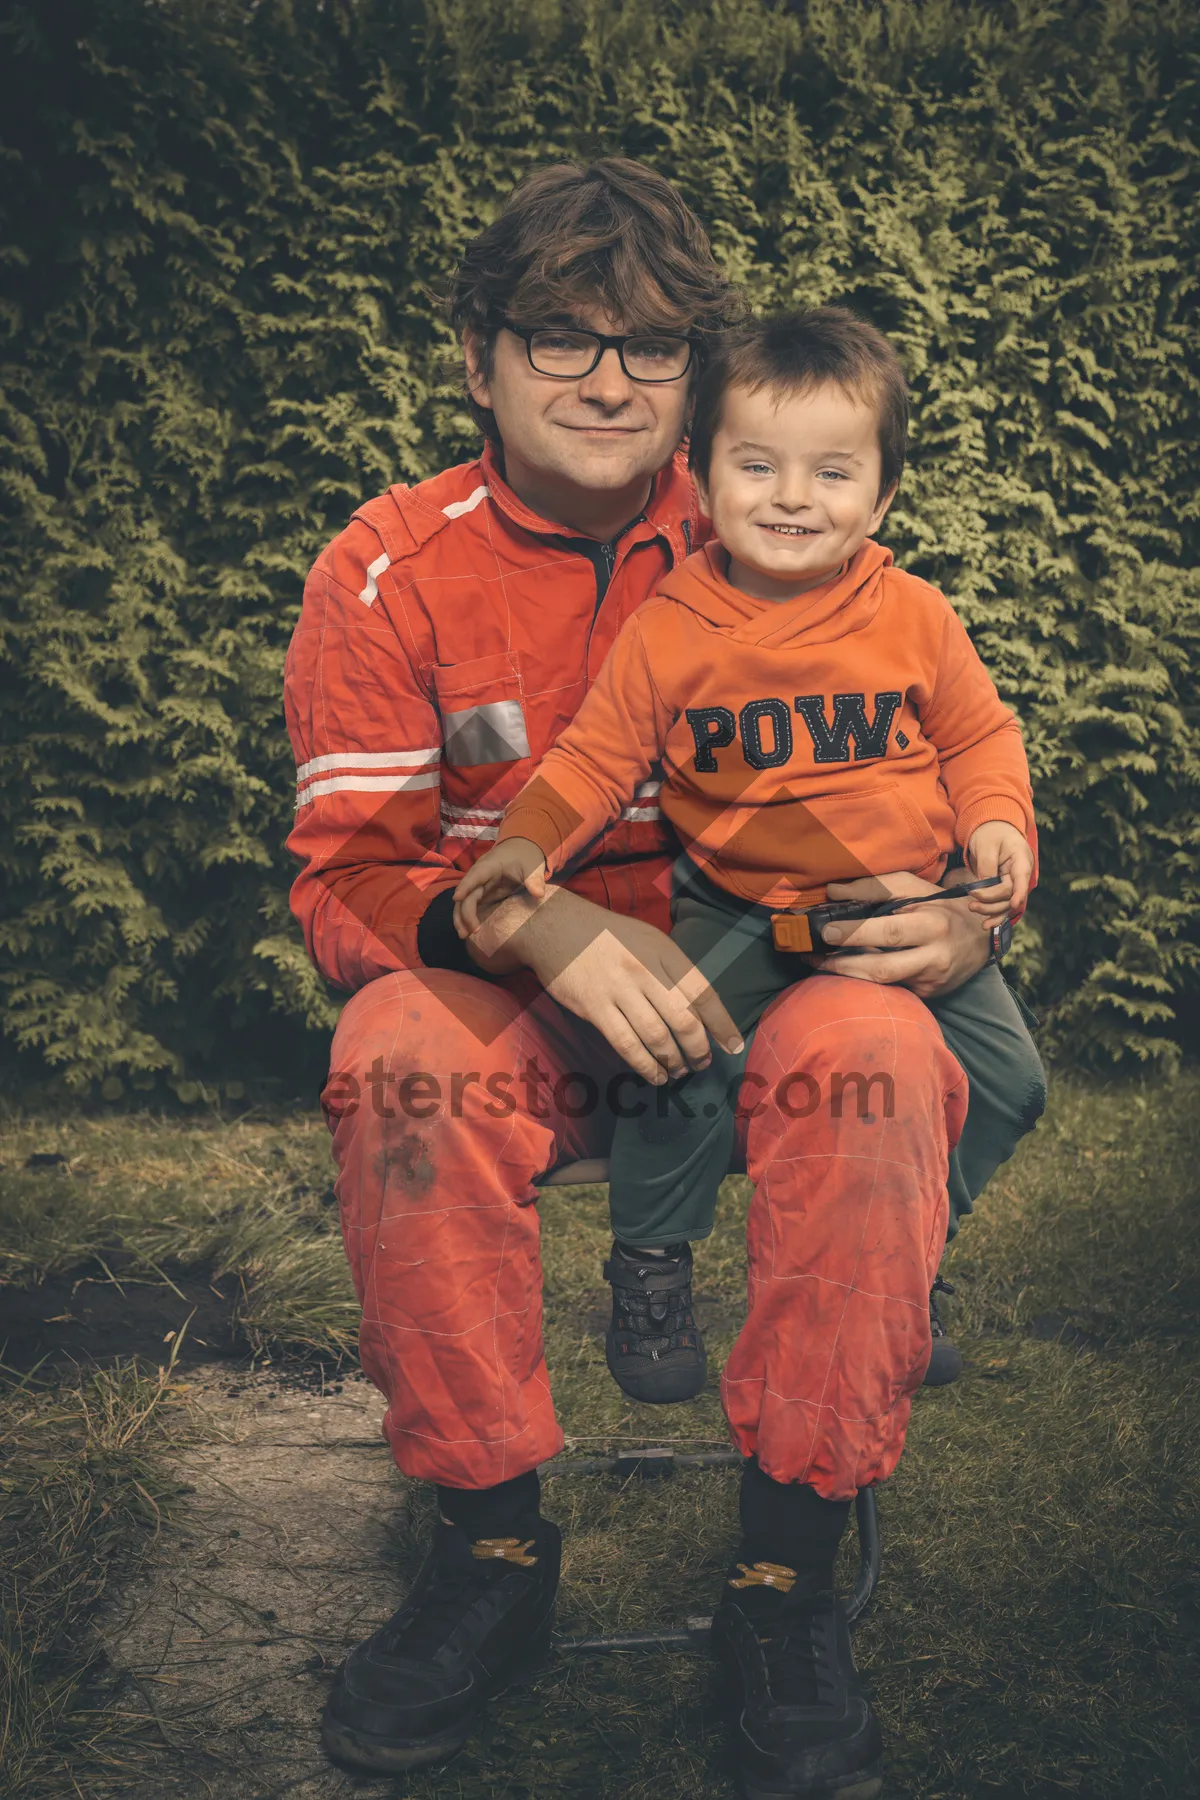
{"x":477,"y":381}
{"x":881,"y":509}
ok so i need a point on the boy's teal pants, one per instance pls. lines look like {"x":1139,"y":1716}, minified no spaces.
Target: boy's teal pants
{"x":668,"y":1162}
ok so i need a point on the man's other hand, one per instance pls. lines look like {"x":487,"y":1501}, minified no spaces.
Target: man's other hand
{"x":623,"y":976}
{"x":931,"y":950}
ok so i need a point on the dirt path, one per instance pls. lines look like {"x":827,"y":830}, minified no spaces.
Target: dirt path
{"x":281,"y":1557}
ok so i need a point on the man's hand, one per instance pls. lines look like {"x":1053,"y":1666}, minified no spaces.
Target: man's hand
{"x":1000,"y":849}
{"x":943,"y":945}
{"x":621,"y":975}
{"x":501,"y":871}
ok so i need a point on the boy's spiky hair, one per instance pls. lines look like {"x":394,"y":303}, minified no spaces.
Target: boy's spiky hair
{"x":790,"y":352}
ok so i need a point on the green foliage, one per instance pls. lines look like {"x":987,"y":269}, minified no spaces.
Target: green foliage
{"x":227,"y":228}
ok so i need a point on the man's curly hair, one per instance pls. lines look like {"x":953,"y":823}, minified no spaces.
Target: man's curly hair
{"x":610,"y":233}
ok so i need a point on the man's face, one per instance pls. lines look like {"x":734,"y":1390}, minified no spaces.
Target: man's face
{"x":601,"y":433}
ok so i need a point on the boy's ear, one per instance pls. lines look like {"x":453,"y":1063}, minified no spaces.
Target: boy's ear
{"x":700,"y":483}
{"x":477,"y":381}
{"x":881,"y":508}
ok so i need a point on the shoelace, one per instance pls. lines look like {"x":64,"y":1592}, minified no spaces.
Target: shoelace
{"x":792,"y":1655}
{"x":647,"y":1311}
{"x":425,"y":1625}
{"x":662,"y":1316}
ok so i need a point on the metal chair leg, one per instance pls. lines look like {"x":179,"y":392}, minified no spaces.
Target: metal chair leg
{"x":870,"y":1555}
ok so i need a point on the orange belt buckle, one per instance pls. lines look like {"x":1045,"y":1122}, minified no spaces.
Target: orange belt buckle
{"x":791,"y":931}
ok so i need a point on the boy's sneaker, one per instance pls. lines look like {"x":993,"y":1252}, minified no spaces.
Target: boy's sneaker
{"x":653,"y":1345}
{"x":945,"y":1360}
{"x":479,"y":1616}
{"x":805,"y":1729}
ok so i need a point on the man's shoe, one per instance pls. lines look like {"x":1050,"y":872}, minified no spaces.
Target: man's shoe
{"x":945,"y":1361}
{"x":479,"y":1617}
{"x":653,"y":1346}
{"x":805,"y":1729}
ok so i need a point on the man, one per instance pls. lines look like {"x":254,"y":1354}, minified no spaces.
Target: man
{"x":447,"y":637}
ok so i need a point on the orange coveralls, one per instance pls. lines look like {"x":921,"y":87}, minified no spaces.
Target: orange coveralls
{"x":447,"y":637}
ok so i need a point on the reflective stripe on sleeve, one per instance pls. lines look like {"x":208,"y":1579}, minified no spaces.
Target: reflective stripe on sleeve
{"x":472,"y":812}
{"x":367,"y":759}
{"x":470,"y":821}
{"x":367,"y":784}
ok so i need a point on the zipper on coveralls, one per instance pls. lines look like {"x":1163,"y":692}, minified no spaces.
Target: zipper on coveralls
{"x":609,"y":553}
{"x":603,"y":558}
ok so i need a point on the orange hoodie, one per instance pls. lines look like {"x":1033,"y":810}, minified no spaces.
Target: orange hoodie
{"x":850,"y":731}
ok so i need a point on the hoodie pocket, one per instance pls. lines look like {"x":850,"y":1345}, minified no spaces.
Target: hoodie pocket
{"x":874,"y":830}
{"x":483,"y":713}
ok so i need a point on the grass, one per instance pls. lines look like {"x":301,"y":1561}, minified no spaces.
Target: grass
{"x":1037,"y":1630}
{"x":247,"y":1199}
{"x":83,"y":1478}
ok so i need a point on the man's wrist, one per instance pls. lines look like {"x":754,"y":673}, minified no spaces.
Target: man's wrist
{"x":486,"y":952}
{"x":438,"y":944}
{"x":494,"y":948}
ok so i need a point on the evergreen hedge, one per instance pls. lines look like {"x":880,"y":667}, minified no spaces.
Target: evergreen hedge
{"x":226,"y":227}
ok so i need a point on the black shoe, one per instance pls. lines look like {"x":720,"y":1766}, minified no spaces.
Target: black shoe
{"x":945,"y":1361}
{"x":653,"y":1347}
{"x":805,"y":1729}
{"x":479,"y":1616}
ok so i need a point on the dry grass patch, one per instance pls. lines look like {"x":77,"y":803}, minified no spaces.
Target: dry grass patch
{"x":83,"y":1477}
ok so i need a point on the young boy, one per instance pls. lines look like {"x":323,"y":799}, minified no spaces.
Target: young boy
{"x":818,"y":715}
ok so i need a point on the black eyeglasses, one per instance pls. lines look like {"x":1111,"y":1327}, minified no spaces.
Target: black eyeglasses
{"x":568,"y":355}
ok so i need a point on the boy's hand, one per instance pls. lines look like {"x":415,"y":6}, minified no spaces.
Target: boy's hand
{"x":515,"y":865}
{"x":1000,"y":849}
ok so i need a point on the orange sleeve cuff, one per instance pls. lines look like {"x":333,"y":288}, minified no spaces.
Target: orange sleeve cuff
{"x":537,"y":826}
{"x":993,"y":809}
{"x":542,"y":813}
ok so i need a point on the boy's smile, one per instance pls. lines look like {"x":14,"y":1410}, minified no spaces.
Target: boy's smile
{"x":793,"y":486}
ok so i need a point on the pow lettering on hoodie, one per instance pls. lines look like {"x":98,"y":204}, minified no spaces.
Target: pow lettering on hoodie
{"x":850,"y":731}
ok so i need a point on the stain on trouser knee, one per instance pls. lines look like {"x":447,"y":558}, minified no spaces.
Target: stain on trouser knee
{"x":405,"y":1161}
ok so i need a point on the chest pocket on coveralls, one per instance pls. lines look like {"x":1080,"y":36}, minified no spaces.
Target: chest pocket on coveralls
{"x":483,"y":719}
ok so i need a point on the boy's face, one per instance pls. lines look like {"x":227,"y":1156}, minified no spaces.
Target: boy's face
{"x":793,"y":486}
